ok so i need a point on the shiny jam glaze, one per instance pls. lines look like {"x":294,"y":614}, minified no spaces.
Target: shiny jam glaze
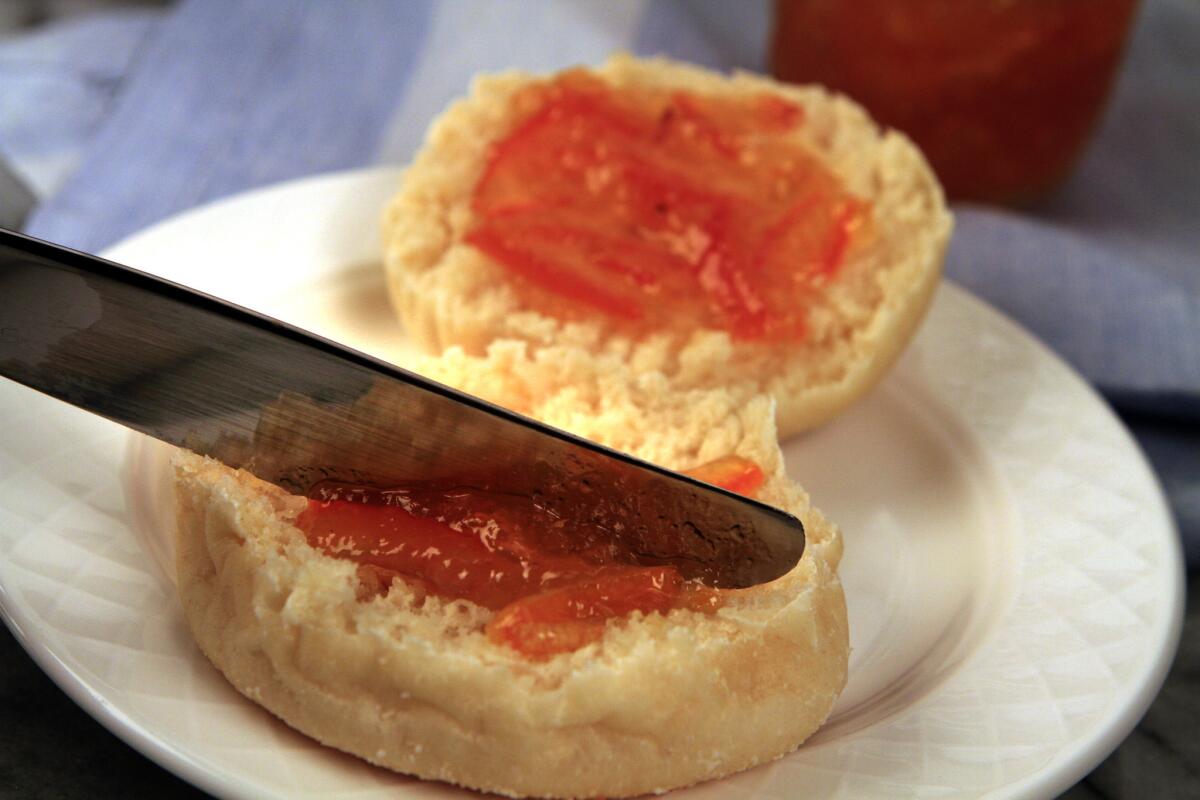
{"x":497,"y":551}
{"x":663,"y":209}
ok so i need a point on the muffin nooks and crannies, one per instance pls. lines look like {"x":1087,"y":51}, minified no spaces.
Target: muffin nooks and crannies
{"x":408,"y":677}
{"x":718,"y":230}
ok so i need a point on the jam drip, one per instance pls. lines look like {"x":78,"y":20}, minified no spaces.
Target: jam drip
{"x":499,"y":551}
{"x":663,"y":209}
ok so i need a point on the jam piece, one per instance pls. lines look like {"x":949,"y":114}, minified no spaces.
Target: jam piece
{"x":569,"y":617}
{"x":481,"y":556}
{"x":500,"y":552}
{"x":734,"y":473}
{"x":663,"y":209}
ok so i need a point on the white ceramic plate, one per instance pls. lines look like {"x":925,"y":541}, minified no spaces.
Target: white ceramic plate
{"x":1013,"y":576}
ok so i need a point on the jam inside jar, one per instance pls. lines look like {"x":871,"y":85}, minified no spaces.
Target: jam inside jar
{"x":1001,"y":95}
{"x":498,"y":551}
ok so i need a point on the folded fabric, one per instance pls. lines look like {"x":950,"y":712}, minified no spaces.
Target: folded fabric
{"x":59,"y":86}
{"x":1129,"y":328}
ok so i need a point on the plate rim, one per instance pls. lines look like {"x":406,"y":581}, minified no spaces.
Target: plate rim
{"x":1061,"y":771}
{"x":1073,"y":763}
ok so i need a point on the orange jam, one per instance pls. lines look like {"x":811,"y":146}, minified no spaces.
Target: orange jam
{"x":662,"y":208}
{"x":500,"y":552}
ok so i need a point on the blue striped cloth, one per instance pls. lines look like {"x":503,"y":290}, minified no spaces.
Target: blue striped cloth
{"x":164,"y":111}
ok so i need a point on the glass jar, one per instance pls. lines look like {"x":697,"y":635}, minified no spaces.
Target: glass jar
{"x":1001,"y":95}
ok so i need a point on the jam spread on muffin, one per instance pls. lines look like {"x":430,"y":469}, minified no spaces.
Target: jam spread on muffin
{"x":663,"y":209}
{"x":498,"y":552}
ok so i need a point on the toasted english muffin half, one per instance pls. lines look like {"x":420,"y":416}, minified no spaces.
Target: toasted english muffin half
{"x":448,"y":292}
{"x":410,"y":681}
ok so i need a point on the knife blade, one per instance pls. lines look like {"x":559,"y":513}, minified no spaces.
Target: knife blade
{"x":301,"y":412}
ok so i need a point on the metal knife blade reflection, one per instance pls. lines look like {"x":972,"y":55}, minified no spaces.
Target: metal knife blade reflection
{"x":297,"y":410}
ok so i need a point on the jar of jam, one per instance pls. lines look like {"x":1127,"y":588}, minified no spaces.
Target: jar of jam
{"x":1001,"y":95}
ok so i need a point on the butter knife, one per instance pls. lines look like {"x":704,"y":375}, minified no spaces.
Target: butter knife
{"x":298,"y":411}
